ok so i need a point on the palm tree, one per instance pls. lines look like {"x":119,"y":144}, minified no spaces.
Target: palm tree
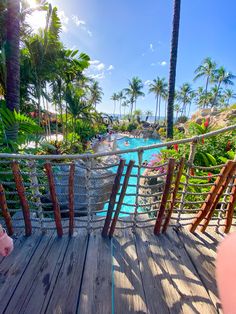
{"x":228,"y":95}
{"x":173,"y":62}
{"x":121,"y":97}
{"x":148,"y":114}
{"x":114,"y":97}
{"x":137,"y":114}
{"x":185,"y":96}
{"x":134,"y":91}
{"x":95,"y":94}
{"x":222,"y":77}
{"x":177,"y":110}
{"x":206,"y":69}
{"x":159,"y":88}
{"x":125,"y":104}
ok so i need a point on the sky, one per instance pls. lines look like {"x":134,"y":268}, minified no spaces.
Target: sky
{"x":127,"y":38}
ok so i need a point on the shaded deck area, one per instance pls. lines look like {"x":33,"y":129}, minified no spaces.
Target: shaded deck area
{"x":132,"y":273}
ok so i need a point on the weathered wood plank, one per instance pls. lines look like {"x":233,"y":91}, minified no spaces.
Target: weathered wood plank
{"x":96,"y":295}
{"x":71,"y":198}
{"x":43,"y":285}
{"x":31,"y":272}
{"x":201,"y":249}
{"x":129,"y":296}
{"x":13,"y":267}
{"x":65,"y":295}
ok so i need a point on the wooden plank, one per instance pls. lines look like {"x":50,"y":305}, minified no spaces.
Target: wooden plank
{"x":129,"y":296}
{"x":71,"y":198}
{"x":65,"y":295}
{"x":230,"y":208}
{"x":121,"y":198}
{"x":96,"y":290}
{"x":165,"y":195}
{"x":27,"y":281}
{"x":55,"y":204}
{"x":5,"y":213}
{"x":212,"y":194}
{"x":23,"y":200}
{"x":201,"y":249}
{"x":115,"y":190}
{"x":13,"y":267}
{"x":43,"y":285}
{"x":173,"y":194}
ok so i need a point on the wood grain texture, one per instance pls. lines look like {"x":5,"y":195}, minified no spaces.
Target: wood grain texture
{"x":71,"y":198}
{"x":6,"y":215}
{"x":23,"y":200}
{"x":55,"y":204}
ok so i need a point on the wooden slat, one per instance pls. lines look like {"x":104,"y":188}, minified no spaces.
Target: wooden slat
{"x":115,"y":190}
{"x":217,"y":199}
{"x":96,"y":290}
{"x":27,"y":281}
{"x":121,"y":198}
{"x":42,"y":287}
{"x":165,"y":195}
{"x":65,"y":295}
{"x":13,"y":267}
{"x":55,"y":204}
{"x":173,"y":195}
{"x":5,"y":213}
{"x":230,"y":208}
{"x":201,"y":249}
{"x":212,"y":194}
{"x":71,"y":198}
{"x":23,"y":200}
{"x":129,"y":296}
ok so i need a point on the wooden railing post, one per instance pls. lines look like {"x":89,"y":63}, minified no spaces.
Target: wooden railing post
{"x":164,"y":199}
{"x":23,"y":200}
{"x":121,"y":198}
{"x":230,"y":208}
{"x":71,"y":198}
{"x":115,"y":190}
{"x":5,"y":213}
{"x":55,"y":204}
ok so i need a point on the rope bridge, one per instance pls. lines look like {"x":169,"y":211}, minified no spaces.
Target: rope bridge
{"x":92,"y":191}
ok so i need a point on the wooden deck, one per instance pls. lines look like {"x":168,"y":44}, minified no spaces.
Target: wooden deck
{"x":132,"y":273}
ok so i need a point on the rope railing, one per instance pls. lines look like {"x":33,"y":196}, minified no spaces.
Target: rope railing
{"x":69,"y":192}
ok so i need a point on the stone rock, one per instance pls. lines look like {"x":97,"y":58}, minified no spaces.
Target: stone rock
{"x":199,"y":120}
{"x":98,"y":189}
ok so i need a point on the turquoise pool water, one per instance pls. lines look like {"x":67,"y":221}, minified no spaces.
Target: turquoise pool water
{"x":147,"y":155}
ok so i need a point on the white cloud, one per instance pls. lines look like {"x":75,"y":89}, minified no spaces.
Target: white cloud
{"x":77,"y":21}
{"x":110,"y":68}
{"x":153,"y":64}
{"x":89,"y":33}
{"x":98,"y":76}
{"x":151,"y":47}
{"x":92,"y":62}
{"x":163,"y":63}
{"x":64,"y":20}
{"x":100,"y":66}
{"x":147,"y":82}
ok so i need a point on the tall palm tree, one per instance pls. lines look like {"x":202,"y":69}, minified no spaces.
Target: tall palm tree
{"x":177,"y":110}
{"x":228,"y":95}
{"x":206,"y":69}
{"x":185,"y":96}
{"x":222,"y":77}
{"x":125,"y":105}
{"x":159,"y":88}
{"x":121,"y":98}
{"x":173,"y":62}
{"x":148,"y":114}
{"x":134,"y":91}
{"x":95,"y":94}
{"x":114,"y":97}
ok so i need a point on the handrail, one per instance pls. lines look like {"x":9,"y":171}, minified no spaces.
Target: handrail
{"x":118,"y":152}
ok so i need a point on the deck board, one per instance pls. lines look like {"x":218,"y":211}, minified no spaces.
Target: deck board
{"x":132,"y":273}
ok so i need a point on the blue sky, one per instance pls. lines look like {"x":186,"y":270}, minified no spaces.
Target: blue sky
{"x":127,"y":38}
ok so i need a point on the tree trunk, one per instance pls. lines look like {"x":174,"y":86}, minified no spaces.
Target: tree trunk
{"x":172,"y":73}
{"x":155,"y":120}
{"x":159,"y":110}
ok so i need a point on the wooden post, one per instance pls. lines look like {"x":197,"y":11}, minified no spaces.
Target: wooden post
{"x":230,"y":208}
{"x":173,"y":194}
{"x":55,"y":204}
{"x":212,"y":194}
{"x":23,"y":200}
{"x":5,"y":213}
{"x":115,"y":190}
{"x":121,"y":198}
{"x":71,"y":198}
{"x":170,"y":171}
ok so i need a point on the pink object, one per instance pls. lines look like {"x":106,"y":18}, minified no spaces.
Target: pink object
{"x":226,"y":273}
{"x":6,"y":243}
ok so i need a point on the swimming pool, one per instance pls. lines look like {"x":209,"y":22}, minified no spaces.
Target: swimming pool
{"x":147,"y":155}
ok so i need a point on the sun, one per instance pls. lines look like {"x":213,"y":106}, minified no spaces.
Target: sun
{"x":32,"y":3}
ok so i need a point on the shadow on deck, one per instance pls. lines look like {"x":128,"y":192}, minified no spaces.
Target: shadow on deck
{"x":132,"y":273}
